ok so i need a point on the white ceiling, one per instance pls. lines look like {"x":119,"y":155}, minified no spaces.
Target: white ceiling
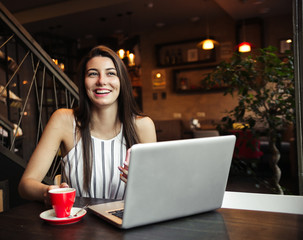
{"x":103,"y":18}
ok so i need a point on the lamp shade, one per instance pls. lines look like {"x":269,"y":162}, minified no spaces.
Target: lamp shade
{"x":244,"y":47}
{"x":131,"y":59}
{"x":208,"y":44}
{"x":121,"y":53}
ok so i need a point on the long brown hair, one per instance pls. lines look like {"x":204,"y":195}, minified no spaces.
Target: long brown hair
{"x":127,"y":108}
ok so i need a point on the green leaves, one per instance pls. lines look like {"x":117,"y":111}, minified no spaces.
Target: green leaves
{"x":264,"y":84}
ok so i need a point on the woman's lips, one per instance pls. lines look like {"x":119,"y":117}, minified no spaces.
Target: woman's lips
{"x":102,"y":92}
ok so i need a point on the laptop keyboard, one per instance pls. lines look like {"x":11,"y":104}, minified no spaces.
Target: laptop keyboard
{"x":117,"y":213}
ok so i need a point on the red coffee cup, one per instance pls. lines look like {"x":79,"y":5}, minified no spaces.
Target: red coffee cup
{"x":62,"y":200}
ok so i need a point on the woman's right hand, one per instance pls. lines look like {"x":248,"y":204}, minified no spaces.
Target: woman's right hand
{"x":50,"y":187}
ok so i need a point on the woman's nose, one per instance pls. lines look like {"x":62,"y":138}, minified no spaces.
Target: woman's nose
{"x":101,"y":79}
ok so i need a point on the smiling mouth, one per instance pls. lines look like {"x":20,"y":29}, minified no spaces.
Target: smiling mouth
{"x":102,"y":91}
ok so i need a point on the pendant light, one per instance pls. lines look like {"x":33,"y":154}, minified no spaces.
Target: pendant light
{"x":130,"y":54}
{"x":125,"y":53}
{"x":208,"y":43}
{"x":245,"y":46}
{"x":131,"y":59}
{"x":121,"y":53}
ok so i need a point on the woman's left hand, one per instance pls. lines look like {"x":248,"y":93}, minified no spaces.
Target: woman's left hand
{"x":124,"y":169}
{"x":124,"y":172}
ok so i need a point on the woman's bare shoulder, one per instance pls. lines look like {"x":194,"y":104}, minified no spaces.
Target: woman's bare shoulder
{"x":61,"y":121}
{"x":145,"y":129}
{"x":63,"y":116}
{"x":143,"y":121}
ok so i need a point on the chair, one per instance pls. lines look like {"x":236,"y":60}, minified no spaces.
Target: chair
{"x":205,"y":133}
{"x":247,"y":145}
{"x":4,"y":195}
{"x":168,"y":130}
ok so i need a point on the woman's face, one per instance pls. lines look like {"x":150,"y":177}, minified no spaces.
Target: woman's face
{"x":101,"y":81}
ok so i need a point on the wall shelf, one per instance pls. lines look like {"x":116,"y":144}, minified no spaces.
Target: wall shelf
{"x":183,"y":53}
{"x":189,"y":80}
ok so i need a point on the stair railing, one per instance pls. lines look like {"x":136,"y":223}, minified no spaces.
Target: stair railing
{"x":32,"y":88}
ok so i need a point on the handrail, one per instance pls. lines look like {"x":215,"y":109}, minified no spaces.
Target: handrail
{"x":47,"y":83}
{"x":30,"y":42}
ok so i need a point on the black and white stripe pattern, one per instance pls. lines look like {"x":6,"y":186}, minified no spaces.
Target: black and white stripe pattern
{"x":105,"y":181}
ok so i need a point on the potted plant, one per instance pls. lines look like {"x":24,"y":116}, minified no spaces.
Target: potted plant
{"x":264,"y":85}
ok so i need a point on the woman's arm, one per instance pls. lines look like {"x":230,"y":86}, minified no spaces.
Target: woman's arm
{"x":55,"y":132}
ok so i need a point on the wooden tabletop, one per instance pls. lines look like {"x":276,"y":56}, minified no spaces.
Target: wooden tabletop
{"x":23,"y":222}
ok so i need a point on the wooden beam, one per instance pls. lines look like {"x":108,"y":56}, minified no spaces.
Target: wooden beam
{"x":61,"y":9}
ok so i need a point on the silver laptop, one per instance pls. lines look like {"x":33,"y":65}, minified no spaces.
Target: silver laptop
{"x":172,"y":179}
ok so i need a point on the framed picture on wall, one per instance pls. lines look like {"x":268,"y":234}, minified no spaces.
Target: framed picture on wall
{"x":159,"y":79}
{"x":285,"y":45}
{"x":192,"y":55}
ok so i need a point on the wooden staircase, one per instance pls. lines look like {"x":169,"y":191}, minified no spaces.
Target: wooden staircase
{"x":32,"y":88}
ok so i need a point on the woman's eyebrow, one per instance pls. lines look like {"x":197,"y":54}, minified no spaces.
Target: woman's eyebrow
{"x":95,"y":69}
{"x":91,"y":69}
{"x":111,"y":68}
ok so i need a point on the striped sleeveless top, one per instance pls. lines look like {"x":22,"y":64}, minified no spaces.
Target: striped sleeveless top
{"x":105,"y":180}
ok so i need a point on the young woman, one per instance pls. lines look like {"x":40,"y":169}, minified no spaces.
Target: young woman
{"x":94,"y":137}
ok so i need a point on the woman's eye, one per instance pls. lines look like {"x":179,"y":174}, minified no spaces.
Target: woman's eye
{"x":92,"y":74}
{"x":112,"y":73}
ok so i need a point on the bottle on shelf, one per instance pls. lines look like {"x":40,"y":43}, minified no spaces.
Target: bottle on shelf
{"x":167,"y":58}
{"x":179,"y":56}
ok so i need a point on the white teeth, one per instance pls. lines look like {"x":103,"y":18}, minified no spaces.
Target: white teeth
{"x":102,"y":91}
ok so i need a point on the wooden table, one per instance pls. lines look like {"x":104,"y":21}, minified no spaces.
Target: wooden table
{"x":23,"y":222}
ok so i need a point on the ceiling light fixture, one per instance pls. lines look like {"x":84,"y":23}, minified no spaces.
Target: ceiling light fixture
{"x":160,"y":24}
{"x":125,"y":52}
{"x":208,"y":43}
{"x":245,"y":46}
{"x":121,"y":53}
{"x":150,"y":4}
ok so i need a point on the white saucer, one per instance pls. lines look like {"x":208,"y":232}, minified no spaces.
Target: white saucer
{"x":50,"y":216}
